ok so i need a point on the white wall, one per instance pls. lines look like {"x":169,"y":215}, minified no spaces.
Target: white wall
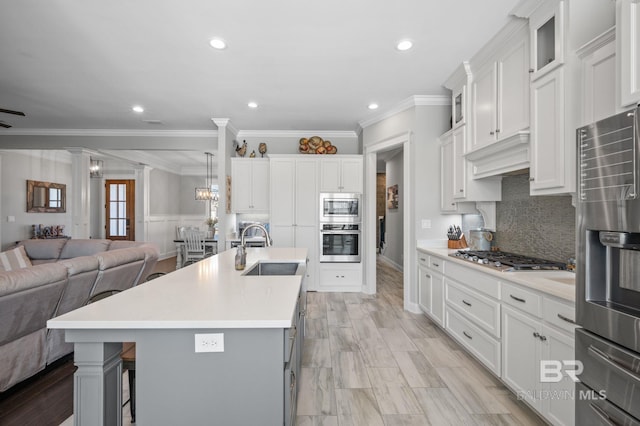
{"x":425,"y":124}
{"x":431,"y":122}
{"x":18,"y":167}
{"x":394,"y":235}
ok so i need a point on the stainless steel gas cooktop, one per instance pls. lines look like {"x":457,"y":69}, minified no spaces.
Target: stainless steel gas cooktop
{"x":507,"y":262}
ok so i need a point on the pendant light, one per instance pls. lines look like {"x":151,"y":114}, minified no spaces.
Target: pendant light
{"x":205,"y":193}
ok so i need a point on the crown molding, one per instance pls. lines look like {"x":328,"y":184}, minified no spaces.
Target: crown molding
{"x":111,"y":133}
{"x":525,"y":8}
{"x":603,"y":39}
{"x":334,"y":134}
{"x":226,"y":123}
{"x":410,"y":102}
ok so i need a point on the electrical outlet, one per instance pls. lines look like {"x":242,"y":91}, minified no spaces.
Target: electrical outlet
{"x":426,"y":224}
{"x":211,"y":342}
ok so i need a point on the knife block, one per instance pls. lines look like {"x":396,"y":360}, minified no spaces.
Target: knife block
{"x":458,"y":244}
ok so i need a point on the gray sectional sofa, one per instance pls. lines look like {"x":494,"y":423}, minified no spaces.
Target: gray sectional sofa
{"x":64,"y":276}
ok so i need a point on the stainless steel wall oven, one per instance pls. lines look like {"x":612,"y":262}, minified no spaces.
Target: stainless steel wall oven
{"x":608,"y":271}
{"x":340,"y":242}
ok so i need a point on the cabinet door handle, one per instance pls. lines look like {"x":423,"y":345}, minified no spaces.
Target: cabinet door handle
{"x":492,"y":133}
{"x":467,"y":335}
{"x":531,"y":70}
{"x":543,"y":338}
{"x":453,"y":204}
{"x":536,"y":334}
{"x":497,"y":130}
{"x":531,"y":179}
{"x":563,"y":318}
{"x":461,"y":190}
{"x":466,"y":303}
{"x":517,"y":299}
{"x":427,"y":275}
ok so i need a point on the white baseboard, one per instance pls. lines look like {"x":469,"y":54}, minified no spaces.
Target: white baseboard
{"x":391,"y":262}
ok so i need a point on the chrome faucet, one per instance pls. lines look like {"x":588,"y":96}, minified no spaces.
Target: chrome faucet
{"x":267,"y":237}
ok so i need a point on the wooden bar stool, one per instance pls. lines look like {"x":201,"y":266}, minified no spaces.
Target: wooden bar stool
{"x":128,"y":357}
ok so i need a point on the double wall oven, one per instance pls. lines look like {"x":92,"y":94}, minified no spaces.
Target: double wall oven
{"x":608,"y":271}
{"x":340,"y":227}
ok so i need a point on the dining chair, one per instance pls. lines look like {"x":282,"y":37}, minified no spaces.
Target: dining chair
{"x":194,"y":248}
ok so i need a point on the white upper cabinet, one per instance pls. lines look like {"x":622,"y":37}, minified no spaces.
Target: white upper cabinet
{"x":549,"y":158}
{"x":546,"y":28}
{"x":250,"y":185}
{"x":628,"y":43}
{"x":341,"y":174}
{"x":598,"y":63}
{"x":500,"y":89}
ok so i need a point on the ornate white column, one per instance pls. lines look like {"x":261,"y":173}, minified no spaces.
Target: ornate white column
{"x":142,"y":176}
{"x":80,"y":193}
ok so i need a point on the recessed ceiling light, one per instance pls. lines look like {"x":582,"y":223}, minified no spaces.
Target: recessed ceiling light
{"x":252,"y":105}
{"x":137,"y":108}
{"x":373,"y":106}
{"x":404,"y":45}
{"x":218,"y":43}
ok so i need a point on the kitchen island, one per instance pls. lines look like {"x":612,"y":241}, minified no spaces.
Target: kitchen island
{"x":250,"y":379}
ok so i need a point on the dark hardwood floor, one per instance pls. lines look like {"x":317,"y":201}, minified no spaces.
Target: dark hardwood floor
{"x":45,"y":399}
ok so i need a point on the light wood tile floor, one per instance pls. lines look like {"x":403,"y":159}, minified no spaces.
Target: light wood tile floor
{"x":368,"y":362}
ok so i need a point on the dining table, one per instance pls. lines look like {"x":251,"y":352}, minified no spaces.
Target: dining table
{"x":210,"y":243}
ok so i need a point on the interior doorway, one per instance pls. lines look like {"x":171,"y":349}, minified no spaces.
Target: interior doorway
{"x":401,"y":141}
{"x":120,"y":209}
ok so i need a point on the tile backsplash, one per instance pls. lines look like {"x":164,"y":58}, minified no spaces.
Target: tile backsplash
{"x":540,"y":226}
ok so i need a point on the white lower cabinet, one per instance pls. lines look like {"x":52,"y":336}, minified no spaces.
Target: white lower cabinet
{"x":431,"y":289}
{"x":527,"y":343}
{"x":515,"y":331}
{"x":474,"y":339}
{"x":340,"y":277}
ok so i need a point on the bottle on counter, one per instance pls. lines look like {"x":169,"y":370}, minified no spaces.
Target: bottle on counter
{"x":241,"y":258}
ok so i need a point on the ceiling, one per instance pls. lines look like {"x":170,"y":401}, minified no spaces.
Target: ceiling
{"x":310,"y":65}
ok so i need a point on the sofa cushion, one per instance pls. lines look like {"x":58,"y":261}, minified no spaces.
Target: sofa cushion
{"x":120,"y":244}
{"x":77,"y":248}
{"x":14,"y":259}
{"x":43,"y":250}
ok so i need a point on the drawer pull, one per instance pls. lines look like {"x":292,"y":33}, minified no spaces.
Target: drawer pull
{"x":518,"y":299}
{"x":423,"y":259}
{"x":427,"y":275}
{"x":467,"y":336}
{"x":436,"y":265}
{"x":612,"y":362}
{"x":563,"y":318}
{"x":603,"y":416}
{"x":466,"y":303}
{"x":536,"y":334}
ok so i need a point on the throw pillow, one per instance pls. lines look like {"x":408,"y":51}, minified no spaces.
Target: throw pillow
{"x":14,"y":259}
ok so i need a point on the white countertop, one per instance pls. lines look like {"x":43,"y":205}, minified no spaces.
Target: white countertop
{"x":560,"y":284}
{"x":207,"y":294}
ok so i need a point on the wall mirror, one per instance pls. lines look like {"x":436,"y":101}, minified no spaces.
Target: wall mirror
{"x":46,"y":197}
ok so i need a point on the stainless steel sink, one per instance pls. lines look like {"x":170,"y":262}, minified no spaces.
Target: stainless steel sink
{"x":275,"y":268}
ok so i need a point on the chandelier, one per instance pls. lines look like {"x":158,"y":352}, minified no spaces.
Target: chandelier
{"x":207,"y":193}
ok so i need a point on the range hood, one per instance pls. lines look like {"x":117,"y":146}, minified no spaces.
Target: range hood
{"x":498,"y":158}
